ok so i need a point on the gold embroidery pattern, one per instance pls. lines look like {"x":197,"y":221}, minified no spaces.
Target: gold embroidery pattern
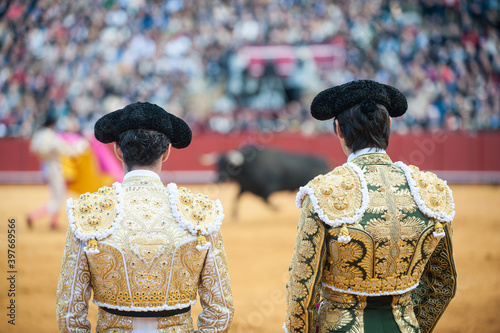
{"x":73,"y":289}
{"x":378,"y":259}
{"x":148,"y":247}
{"x":95,"y":212}
{"x":392,"y":236}
{"x":142,"y":182}
{"x":402,"y":308}
{"x":149,"y":232}
{"x":149,"y":262}
{"x":369,"y":159}
{"x":182,"y":323}
{"x":215,"y":290}
{"x":110,"y":286}
{"x":334,"y":319}
{"x":110,"y":323}
{"x":437,"y":286}
{"x":341,"y":312}
{"x":434,"y":192}
{"x":338,"y":192}
{"x":424,"y":248}
{"x":305,"y":271}
{"x":402,"y":199}
{"x":196,"y":208}
{"x":389,"y":253}
{"x":187,"y":264}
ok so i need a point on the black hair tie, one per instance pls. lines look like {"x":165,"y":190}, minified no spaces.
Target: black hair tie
{"x":369,"y":107}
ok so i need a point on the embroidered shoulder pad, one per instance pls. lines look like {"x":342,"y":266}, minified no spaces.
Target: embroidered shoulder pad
{"x":195,"y":212}
{"x":339,"y":197}
{"x":96,"y":215}
{"x":432,"y":194}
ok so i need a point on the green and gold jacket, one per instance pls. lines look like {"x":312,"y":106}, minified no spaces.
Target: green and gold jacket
{"x":142,"y":247}
{"x":371,"y":230}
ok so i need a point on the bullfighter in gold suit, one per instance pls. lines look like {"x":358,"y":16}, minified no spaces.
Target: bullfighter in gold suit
{"x":374,"y":246}
{"x":145,"y":250}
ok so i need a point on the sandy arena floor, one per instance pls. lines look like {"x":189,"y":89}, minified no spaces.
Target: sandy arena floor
{"x":259,"y":246}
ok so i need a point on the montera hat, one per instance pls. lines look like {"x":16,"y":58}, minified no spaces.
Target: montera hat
{"x":145,"y":116}
{"x":332,"y":101}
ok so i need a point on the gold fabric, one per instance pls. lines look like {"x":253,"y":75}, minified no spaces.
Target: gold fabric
{"x":437,"y":285}
{"x":109,"y":323}
{"x":150,"y":262}
{"x":390,"y":250}
{"x":95,"y":212}
{"x":338,"y":192}
{"x":434,"y":192}
{"x":197,"y":208}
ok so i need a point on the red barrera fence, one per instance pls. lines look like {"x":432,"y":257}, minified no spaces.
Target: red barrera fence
{"x":457,"y":157}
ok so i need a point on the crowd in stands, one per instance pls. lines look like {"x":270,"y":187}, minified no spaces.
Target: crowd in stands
{"x":82,"y":59}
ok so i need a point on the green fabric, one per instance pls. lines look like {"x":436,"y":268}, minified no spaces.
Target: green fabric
{"x":378,"y":317}
{"x":437,"y":286}
{"x":303,"y":288}
{"x":404,"y":247}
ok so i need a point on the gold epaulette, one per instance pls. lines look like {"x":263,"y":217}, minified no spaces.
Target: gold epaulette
{"x":195,"y":212}
{"x":434,"y":193}
{"x":94,"y":216}
{"x":431,"y":194}
{"x":339,"y":197}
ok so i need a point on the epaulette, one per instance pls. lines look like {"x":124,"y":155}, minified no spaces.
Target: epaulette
{"x":340,"y":197}
{"x":432,"y":195}
{"x":195,"y":213}
{"x":95,"y":216}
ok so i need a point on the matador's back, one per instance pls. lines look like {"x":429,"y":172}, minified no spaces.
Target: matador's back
{"x":145,"y":248}
{"x":372,"y":234}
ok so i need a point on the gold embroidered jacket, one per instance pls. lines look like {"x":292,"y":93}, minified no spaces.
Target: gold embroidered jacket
{"x":371,"y":228}
{"x":143,"y":247}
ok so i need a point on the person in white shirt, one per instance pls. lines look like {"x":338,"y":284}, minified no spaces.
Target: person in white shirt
{"x":50,"y":147}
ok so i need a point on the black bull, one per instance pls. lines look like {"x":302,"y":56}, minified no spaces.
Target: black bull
{"x":265,"y":171}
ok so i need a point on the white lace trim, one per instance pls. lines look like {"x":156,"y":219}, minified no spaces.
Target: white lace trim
{"x":344,"y":239}
{"x":415,"y":192}
{"x":358,"y":214}
{"x":144,"y":309}
{"x":381,"y":293}
{"x":90,"y":251}
{"x":438,"y":234}
{"x":303,"y":191}
{"x":98,"y":235}
{"x":207,"y":246}
{"x":188,"y":225}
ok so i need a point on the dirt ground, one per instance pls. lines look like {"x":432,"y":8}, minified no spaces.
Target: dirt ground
{"x":259,"y":246}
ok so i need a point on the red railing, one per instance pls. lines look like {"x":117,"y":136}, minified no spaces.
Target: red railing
{"x":455,"y":153}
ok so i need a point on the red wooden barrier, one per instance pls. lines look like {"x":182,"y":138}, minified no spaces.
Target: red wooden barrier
{"x":454,"y":154}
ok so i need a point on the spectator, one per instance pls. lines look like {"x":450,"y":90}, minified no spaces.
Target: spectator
{"x":72,"y":57}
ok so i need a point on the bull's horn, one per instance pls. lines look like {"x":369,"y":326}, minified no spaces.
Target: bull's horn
{"x":235,"y":157}
{"x":208,"y":159}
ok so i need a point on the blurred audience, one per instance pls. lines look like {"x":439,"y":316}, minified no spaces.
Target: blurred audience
{"x":85,"y":58}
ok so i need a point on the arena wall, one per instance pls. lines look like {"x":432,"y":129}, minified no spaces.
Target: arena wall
{"x":457,"y":157}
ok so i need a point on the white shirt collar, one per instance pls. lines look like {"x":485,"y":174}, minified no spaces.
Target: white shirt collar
{"x":364,"y":151}
{"x":141,"y":173}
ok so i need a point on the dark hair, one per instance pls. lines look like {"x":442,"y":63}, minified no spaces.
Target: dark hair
{"x":365,"y":125}
{"x":50,"y":119}
{"x":142,"y":147}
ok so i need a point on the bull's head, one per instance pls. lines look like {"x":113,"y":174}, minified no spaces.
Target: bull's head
{"x":228,"y":164}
